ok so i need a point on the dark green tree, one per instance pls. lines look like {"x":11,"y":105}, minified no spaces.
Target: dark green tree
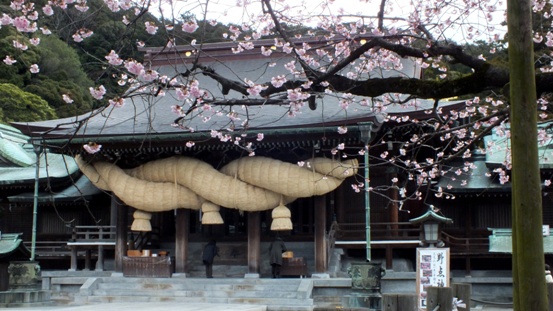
{"x":60,"y":72}
{"x":18,"y":105}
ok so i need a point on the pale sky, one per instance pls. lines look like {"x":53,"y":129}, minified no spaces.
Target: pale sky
{"x":227,"y":11}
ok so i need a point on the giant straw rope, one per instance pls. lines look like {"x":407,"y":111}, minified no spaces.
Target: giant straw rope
{"x":247,"y":184}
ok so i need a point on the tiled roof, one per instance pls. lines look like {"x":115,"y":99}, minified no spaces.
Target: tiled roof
{"x":148,"y":120}
{"x":81,"y":190}
{"x":52,"y":166}
{"x":10,"y":243}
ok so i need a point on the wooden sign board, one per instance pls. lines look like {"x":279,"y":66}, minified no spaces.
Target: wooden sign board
{"x":432,"y":270}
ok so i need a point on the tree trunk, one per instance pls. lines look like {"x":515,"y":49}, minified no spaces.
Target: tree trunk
{"x":529,"y":291}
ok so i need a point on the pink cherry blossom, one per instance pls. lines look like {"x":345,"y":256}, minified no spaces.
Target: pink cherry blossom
{"x":45,"y":31}
{"x":151,"y":28}
{"x":35,"y":41}
{"x":278,"y":81}
{"x":176,"y":109}
{"x":81,"y":7}
{"x":112,"y":5}
{"x":148,"y":75}
{"x":47,"y":9}
{"x":117,"y":102}
{"x":67,"y":99}
{"x":5,"y":20}
{"x":34,"y":68}
{"x":113,"y":58}
{"x":21,"y":23}
{"x":19,"y":45}
{"x":92,"y":148}
{"x":190,"y":26}
{"x":254,"y":89}
{"x":9,"y":61}
{"x":266,"y":51}
{"x":296,"y":95}
{"x":98,"y":92}
{"x":85,"y":33}
{"x":134,"y":67}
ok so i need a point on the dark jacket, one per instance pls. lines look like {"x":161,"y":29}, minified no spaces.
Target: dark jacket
{"x":276,"y":249}
{"x":210,"y":251}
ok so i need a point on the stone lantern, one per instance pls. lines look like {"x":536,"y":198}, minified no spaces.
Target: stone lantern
{"x":431,"y":226}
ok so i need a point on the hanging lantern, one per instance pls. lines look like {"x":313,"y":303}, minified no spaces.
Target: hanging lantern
{"x":211,"y":215}
{"x":141,"y":221}
{"x":281,"y":218}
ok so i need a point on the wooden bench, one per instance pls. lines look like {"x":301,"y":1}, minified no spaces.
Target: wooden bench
{"x":148,"y":267}
{"x":294,"y":267}
{"x":50,"y":249}
{"x":88,"y":238}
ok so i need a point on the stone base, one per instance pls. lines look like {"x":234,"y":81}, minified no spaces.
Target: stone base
{"x":320,"y":276}
{"x":373,"y":301}
{"x":180,"y":275}
{"x":251,"y":276}
{"x":24,"y":275}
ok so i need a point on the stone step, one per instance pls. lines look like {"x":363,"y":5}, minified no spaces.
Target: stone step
{"x":191,"y":286}
{"x":259,"y":301}
{"x":219,"y":271}
{"x":197,"y":293}
{"x":196,"y":281}
{"x":24,"y":296}
{"x":283,"y":294}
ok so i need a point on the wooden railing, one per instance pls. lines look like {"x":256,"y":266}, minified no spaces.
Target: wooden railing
{"x":466,"y":246}
{"x":49,"y":249}
{"x":379,"y":231}
{"x":90,"y":238}
{"x":405,"y":231}
{"x":93,"y":233}
{"x":330,"y":241}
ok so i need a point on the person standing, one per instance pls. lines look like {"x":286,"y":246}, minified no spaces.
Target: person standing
{"x":548,"y":277}
{"x":276,"y":249}
{"x":210,"y":251}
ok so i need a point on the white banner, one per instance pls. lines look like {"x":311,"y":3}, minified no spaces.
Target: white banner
{"x":432,"y":270}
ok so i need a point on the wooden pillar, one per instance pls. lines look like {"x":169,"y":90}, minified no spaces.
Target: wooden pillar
{"x":439,"y":296}
{"x":389,"y":257}
{"x":100,"y":261}
{"x":462,"y":291}
{"x":394,"y":209}
{"x":182,"y":232}
{"x":400,"y":302}
{"x":339,"y":206}
{"x":120,"y":233}
{"x":87,"y":259}
{"x":254,"y":238}
{"x":468,"y":233}
{"x":73,"y":258}
{"x":320,"y":239}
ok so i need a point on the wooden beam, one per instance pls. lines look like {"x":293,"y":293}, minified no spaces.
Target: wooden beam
{"x":120,"y":233}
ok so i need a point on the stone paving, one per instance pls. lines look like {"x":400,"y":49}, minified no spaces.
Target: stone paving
{"x":165,"y":306}
{"x":151,"y":306}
